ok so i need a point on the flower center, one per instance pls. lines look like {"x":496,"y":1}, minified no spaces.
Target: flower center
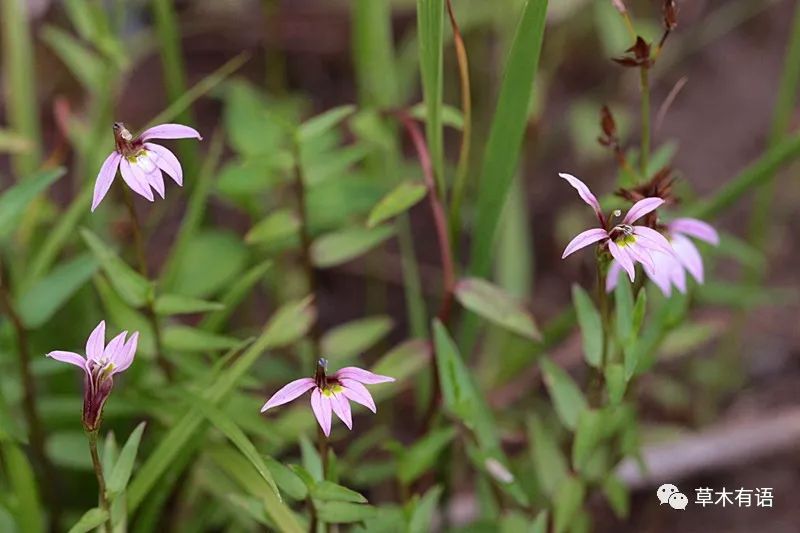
{"x":622,"y":235}
{"x":331,"y":389}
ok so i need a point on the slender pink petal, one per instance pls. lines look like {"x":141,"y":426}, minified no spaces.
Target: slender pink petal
{"x":584,"y":239}
{"x":341,"y":407}
{"x":359,"y":374}
{"x":170,"y":131}
{"x":166,"y":161}
{"x":156,"y":181}
{"x":695,"y":228}
{"x":321,"y":405}
{"x":289,"y":392}
{"x":114,"y":347}
{"x":662,"y":275}
{"x":68,"y":357}
{"x":105,"y":178}
{"x":612,"y":278}
{"x":623,"y":258}
{"x":678,"y":276}
{"x":639,"y":253}
{"x":652,"y":239}
{"x":358,"y":393}
{"x":96,"y":342}
{"x":125,"y":355}
{"x":688,"y":255}
{"x":584,"y":192}
{"x":142,"y":188}
{"x":641,"y":208}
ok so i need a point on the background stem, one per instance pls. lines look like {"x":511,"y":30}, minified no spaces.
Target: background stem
{"x":645,"y":149}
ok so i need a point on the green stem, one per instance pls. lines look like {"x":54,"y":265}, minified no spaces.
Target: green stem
{"x":101,"y":480}
{"x":595,"y":392}
{"x":645,"y":89}
{"x":149,"y":310}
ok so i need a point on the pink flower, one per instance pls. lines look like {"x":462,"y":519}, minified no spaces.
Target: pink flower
{"x":670,"y":270}
{"x":627,"y":243}
{"x":140,"y":162}
{"x":101,"y":363}
{"x":331,"y":393}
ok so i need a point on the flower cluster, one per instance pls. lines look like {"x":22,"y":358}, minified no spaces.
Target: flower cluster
{"x":664,"y":251}
{"x":101,"y":363}
{"x":331,"y":393}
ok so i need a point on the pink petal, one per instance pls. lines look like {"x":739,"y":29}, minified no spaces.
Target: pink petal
{"x":321,"y":405}
{"x":156,"y":180}
{"x":359,"y":374}
{"x":166,"y":161}
{"x":114,"y":347}
{"x":142,"y":188}
{"x":652,"y":239}
{"x":96,"y":342}
{"x":613,"y":276}
{"x":125,"y":354}
{"x":341,"y":407}
{"x":661,"y":275}
{"x":289,"y":392}
{"x":105,"y":178}
{"x":639,"y":253}
{"x":358,"y":393}
{"x":584,"y":192}
{"x":144,"y":169}
{"x":641,"y":208}
{"x":695,"y":228}
{"x":584,"y":239}
{"x":68,"y":357}
{"x":688,"y":255}
{"x":623,"y":258}
{"x":170,"y":131}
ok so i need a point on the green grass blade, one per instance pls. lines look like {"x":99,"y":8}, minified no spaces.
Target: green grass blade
{"x":507,"y":131}
{"x":20,"y":85}
{"x":430,"y":29}
{"x":758,"y":172}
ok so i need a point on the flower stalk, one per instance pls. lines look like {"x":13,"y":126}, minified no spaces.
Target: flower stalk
{"x":91,"y":435}
{"x":644,"y":84}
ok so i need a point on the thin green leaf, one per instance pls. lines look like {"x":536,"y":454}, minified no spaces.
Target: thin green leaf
{"x":323,"y":123}
{"x":342,"y":246}
{"x":83,"y":63}
{"x":21,"y":479}
{"x":352,"y":338}
{"x":587,"y":436}
{"x":329,"y":491}
{"x":123,"y":467}
{"x":343,"y":512}
{"x":507,"y":131}
{"x":237,"y":292}
{"x":615,"y":382}
{"x":277,"y":228}
{"x":41,"y":301}
{"x":398,"y":200}
{"x":618,"y":496}
{"x":424,"y":509}
{"x":567,"y":503}
{"x":430,"y":27}
{"x":189,"y":339}
{"x":16,"y":199}
{"x":287,"y":480}
{"x":567,"y":398}
{"x":129,"y":284}
{"x":423,"y":454}
{"x":549,"y":463}
{"x":494,"y":304}
{"x":228,"y":427}
{"x":175,"y":304}
{"x":91,"y":519}
{"x":623,"y":302}
{"x":591,"y":326}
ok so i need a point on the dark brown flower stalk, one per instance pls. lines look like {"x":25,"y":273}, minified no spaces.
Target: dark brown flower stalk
{"x":610,"y":139}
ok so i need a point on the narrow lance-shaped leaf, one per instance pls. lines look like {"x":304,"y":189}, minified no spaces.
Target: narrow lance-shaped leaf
{"x":507,"y":131}
{"x":91,"y":519}
{"x":323,"y":123}
{"x":15,"y":200}
{"x":398,"y":200}
{"x":494,"y":304}
{"x":567,"y":398}
{"x":129,"y":284}
{"x":430,"y":26}
{"x":352,"y":338}
{"x":123,"y":467}
{"x":591,"y":326}
{"x":342,"y":246}
{"x":175,"y":304}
